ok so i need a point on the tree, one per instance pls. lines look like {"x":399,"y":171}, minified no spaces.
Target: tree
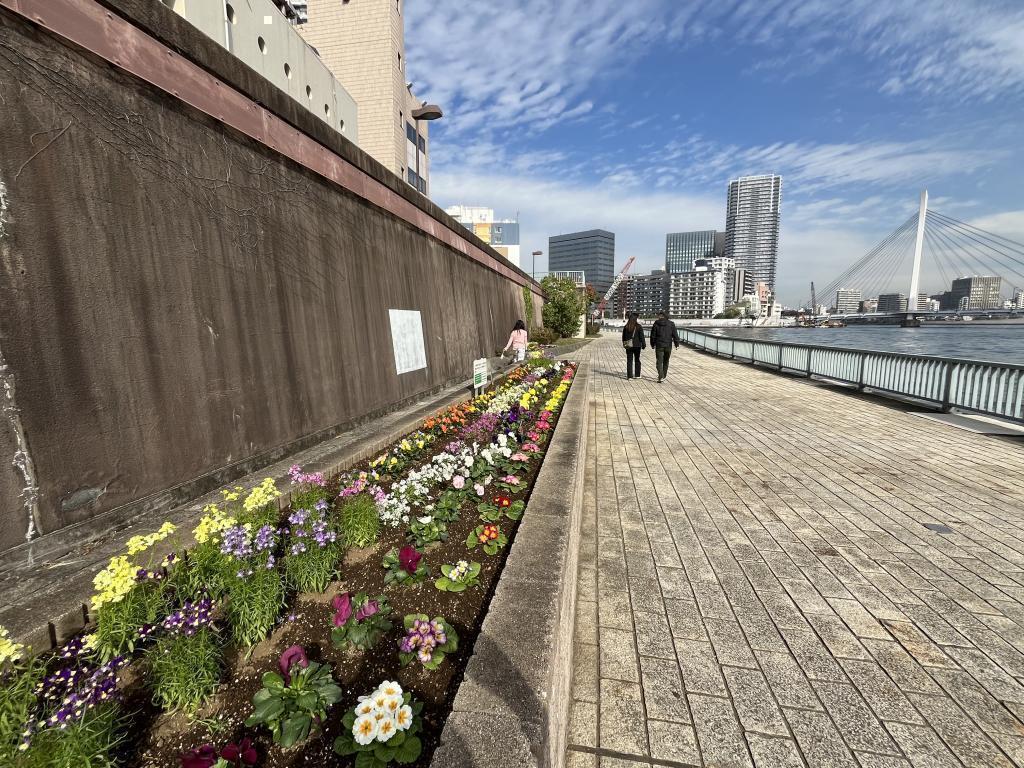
{"x":563,"y":305}
{"x":731,"y":313}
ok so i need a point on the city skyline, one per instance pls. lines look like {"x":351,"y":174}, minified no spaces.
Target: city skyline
{"x":857,"y":105}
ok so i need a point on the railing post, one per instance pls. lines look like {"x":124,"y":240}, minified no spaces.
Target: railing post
{"x":860,"y":375}
{"x":947,"y":388}
{"x":810,"y":352}
{"x":780,"y":357}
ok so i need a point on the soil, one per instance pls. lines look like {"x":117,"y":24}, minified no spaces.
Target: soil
{"x":161,"y":738}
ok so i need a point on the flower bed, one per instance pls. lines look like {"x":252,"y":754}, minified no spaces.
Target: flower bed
{"x":332,"y":634}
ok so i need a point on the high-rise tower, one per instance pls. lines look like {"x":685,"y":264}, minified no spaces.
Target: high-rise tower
{"x":752,"y":226}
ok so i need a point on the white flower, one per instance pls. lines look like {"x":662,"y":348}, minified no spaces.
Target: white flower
{"x":366,"y":707}
{"x":392,"y":704}
{"x":364,"y":729}
{"x":390,"y":688}
{"x":403,"y":720}
{"x":386,"y":729}
{"x":425,"y":519}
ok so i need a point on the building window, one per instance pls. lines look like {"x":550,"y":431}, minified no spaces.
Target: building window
{"x":230,"y":12}
{"x":327,"y":111}
{"x":341,"y":125}
{"x":288,"y":70}
{"x":410,"y":132}
{"x":309,"y":92}
{"x":262,"y":44}
{"x":423,"y":144}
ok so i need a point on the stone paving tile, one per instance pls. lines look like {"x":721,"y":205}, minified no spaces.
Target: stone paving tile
{"x":673,"y":742}
{"x":754,"y":702}
{"x":774,"y":753}
{"x":748,"y":604}
{"x":718,"y":733}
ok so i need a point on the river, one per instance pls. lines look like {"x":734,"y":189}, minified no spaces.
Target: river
{"x":998,"y":342}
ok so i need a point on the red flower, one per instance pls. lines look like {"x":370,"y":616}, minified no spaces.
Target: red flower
{"x":409,"y":559}
{"x":243,"y":753}
{"x":203,"y":757}
{"x":291,"y":657}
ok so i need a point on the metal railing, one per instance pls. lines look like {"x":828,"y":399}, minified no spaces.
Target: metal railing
{"x":994,"y":389}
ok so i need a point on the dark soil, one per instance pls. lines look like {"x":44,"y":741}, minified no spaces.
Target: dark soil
{"x":160,"y":738}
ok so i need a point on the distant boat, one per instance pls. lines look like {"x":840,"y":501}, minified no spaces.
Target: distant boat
{"x":966,"y":318}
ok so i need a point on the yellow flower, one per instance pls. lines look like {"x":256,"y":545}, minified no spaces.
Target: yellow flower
{"x":261,"y":495}
{"x":233,"y":494}
{"x":114,"y":582}
{"x":9,"y":650}
{"x":212,"y":524}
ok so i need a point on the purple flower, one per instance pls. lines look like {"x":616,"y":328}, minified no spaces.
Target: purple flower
{"x":342,"y":609}
{"x":367,"y":609}
{"x":321,"y":506}
{"x":294,"y":655}
{"x":409,"y":559}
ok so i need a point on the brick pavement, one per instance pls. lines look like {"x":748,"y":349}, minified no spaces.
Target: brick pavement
{"x":757,"y":587}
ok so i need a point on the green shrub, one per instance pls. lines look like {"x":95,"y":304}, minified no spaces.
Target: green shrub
{"x":117,"y":623}
{"x":312,"y":550}
{"x":17,"y":701}
{"x":563,"y":305}
{"x":85,"y":743}
{"x":545,"y":336}
{"x":254,"y":600}
{"x":198,"y":572}
{"x":360,"y":521}
{"x":185,"y":669}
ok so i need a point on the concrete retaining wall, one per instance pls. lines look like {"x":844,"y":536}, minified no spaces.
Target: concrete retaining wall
{"x":177,"y":299}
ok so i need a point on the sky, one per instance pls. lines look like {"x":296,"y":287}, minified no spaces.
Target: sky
{"x":633,"y":117}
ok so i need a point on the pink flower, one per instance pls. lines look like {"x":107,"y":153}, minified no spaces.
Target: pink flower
{"x":368,"y":609}
{"x":479,"y":489}
{"x":520,"y":457}
{"x":531,"y":447}
{"x":534,"y":435}
{"x":459,"y":481}
{"x":342,"y":609}
{"x":510,"y":479}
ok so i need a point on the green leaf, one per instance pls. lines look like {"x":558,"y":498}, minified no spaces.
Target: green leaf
{"x":267,"y":710}
{"x":457,"y":586}
{"x":443,"y":584}
{"x":447,"y":569}
{"x":272,"y":680}
{"x":296,"y":729}
{"x":409,"y":751}
{"x":384,"y":752}
{"x":366,"y":760}
{"x":345,"y":744}
{"x":474,"y":570}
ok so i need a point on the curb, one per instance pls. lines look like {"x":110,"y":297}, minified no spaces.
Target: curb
{"x":512,"y":707}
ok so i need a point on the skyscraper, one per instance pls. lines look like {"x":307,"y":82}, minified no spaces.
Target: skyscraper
{"x":848,"y":301}
{"x":592,"y":252}
{"x":683,"y":248}
{"x":976,"y":292}
{"x":752,"y":226}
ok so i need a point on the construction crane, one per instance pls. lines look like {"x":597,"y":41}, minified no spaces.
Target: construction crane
{"x":814,"y":301}
{"x":599,"y":312}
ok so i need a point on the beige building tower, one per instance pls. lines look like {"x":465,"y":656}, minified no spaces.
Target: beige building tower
{"x":363,"y":43}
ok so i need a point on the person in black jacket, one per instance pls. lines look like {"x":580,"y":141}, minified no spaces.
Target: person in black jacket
{"x":633,"y":341}
{"x":664,"y":338}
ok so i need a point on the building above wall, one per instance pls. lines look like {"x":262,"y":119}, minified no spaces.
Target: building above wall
{"x":263,"y":34}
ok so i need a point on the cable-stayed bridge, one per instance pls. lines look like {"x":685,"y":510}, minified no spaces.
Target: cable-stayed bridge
{"x":931,"y":265}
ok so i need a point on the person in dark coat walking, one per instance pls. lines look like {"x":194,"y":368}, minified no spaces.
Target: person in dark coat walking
{"x":664,"y":338}
{"x":633,"y":340}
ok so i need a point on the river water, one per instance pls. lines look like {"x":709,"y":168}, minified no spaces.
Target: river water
{"x":999,"y":342}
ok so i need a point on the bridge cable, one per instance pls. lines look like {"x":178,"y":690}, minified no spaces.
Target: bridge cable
{"x":975,"y":246}
{"x":1005,"y":241}
{"x":895,"y":265}
{"x":932,"y":250}
{"x":871,"y":256}
{"x":1016,"y":250}
{"x":972,"y":251}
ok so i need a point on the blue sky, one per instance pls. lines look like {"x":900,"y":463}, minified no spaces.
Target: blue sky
{"x":633,"y":116}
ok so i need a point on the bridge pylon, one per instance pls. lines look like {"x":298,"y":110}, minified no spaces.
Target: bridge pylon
{"x":911,"y":321}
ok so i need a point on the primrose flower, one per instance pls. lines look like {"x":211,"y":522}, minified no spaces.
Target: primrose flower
{"x":403,"y":718}
{"x":364,"y":729}
{"x":510,"y":479}
{"x":294,"y":655}
{"x":479,"y":489}
{"x":459,"y":482}
{"x":409,"y":559}
{"x":342,"y":609}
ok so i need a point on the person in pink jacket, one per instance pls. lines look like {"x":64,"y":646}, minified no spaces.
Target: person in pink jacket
{"x":517,"y":341}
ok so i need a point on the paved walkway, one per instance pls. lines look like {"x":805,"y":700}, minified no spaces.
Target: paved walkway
{"x":758,"y":587}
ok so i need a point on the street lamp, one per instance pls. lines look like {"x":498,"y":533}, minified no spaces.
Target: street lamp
{"x":533,"y":271}
{"x":424,"y":112}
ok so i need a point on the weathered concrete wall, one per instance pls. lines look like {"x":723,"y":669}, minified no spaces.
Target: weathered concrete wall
{"x":176,"y":298}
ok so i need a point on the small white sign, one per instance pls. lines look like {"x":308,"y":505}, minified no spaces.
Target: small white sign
{"x":480,"y":373}
{"x":407,"y":340}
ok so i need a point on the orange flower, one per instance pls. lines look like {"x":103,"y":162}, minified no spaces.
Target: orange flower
{"x":482,"y":538}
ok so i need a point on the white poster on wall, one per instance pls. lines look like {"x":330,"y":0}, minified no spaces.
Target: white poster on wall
{"x":407,"y":340}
